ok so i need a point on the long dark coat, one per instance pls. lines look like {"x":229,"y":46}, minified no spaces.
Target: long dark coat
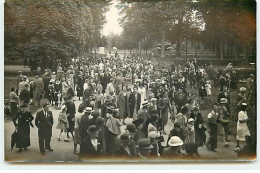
{"x":80,"y":87}
{"x":200,"y":136}
{"x":122,"y":105}
{"x":23,"y":130}
{"x":71,"y":110}
{"x":83,"y":126}
{"x":134,"y":102}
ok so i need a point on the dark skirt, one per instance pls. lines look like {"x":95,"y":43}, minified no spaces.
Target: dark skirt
{"x":13,"y":108}
{"x":76,"y":136}
{"x":110,"y":142}
{"x":71,"y":126}
{"x":23,"y":136}
{"x":213,"y":140}
{"x":79,"y":91}
{"x":200,"y":137}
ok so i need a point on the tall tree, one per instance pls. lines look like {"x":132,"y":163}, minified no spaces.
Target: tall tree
{"x":50,"y":31}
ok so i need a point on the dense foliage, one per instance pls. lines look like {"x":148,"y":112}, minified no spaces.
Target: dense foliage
{"x":209,"y":21}
{"x":48,"y":31}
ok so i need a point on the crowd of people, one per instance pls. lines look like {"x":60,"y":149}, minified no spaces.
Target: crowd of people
{"x":112,"y":89}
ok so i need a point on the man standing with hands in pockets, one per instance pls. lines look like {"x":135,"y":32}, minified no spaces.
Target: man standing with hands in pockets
{"x":44,"y":122}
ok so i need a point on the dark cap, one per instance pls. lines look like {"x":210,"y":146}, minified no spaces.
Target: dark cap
{"x":154,"y":117}
{"x":138,"y":122}
{"x":92,"y":129}
{"x":131,"y":127}
{"x":95,"y":113}
{"x":100,"y":121}
{"x":154,"y":112}
{"x":177,"y":125}
{"x":124,"y":137}
{"x":144,"y":144}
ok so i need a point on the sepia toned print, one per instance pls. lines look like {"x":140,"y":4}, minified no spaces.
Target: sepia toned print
{"x":130,"y":81}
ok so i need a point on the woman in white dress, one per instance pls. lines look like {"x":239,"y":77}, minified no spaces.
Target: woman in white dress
{"x":242,"y":128}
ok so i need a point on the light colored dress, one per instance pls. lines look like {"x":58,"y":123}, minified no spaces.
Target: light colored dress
{"x":63,"y":122}
{"x":208,"y":89}
{"x":242,"y":129}
{"x":76,"y":128}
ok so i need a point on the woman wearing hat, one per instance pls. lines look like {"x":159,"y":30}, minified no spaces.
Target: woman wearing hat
{"x":24,"y":120}
{"x":14,"y":99}
{"x":99,"y":100}
{"x":200,"y":136}
{"x":164,"y":106}
{"x":157,"y":147}
{"x":241,"y":97}
{"x":71,"y":110}
{"x":122,"y":104}
{"x":80,"y":84}
{"x":63,"y":123}
{"x":152,"y":124}
{"x":182,"y":119}
{"x":242,"y":128}
{"x":113,"y":129}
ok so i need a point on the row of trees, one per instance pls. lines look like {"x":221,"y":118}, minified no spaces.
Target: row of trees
{"x":52,"y":31}
{"x":212,"y":22}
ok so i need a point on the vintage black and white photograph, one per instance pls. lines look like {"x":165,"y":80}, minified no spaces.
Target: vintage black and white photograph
{"x":129,"y":81}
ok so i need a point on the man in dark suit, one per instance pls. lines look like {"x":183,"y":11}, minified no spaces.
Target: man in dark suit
{"x":84,"y":122}
{"x":91,"y":144}
{"x":44,"y":122}
{"x":134,"y":101}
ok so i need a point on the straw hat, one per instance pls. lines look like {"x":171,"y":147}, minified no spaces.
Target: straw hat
{"x":191,"y":120}
{"x":88,"y":109}
{"x":145,"y":103}
{"x":223,"y":100}
{"x":242,"y":89}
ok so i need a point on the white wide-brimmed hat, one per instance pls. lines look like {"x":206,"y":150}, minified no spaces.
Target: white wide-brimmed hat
{"x":175,"y":141}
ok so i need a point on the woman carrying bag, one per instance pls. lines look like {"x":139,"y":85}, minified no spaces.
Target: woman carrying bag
{"x":113,"y":130}
{"x":63,"y":123}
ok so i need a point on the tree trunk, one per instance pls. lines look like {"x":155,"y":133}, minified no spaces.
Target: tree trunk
{"x":228,"y":48}
{"x":244,"y":51}
{"x":139,"y":46}
{"x":221,"y":49}
{"x":236,"y":49}
{"x":196,"y":50}
{"x":186,"y":48}
{"x":163,"y":44}
{"x":156,"y":45}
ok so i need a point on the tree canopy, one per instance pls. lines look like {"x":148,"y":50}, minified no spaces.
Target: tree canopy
{"x":51,"y":31}
{"x":211,"y":21}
